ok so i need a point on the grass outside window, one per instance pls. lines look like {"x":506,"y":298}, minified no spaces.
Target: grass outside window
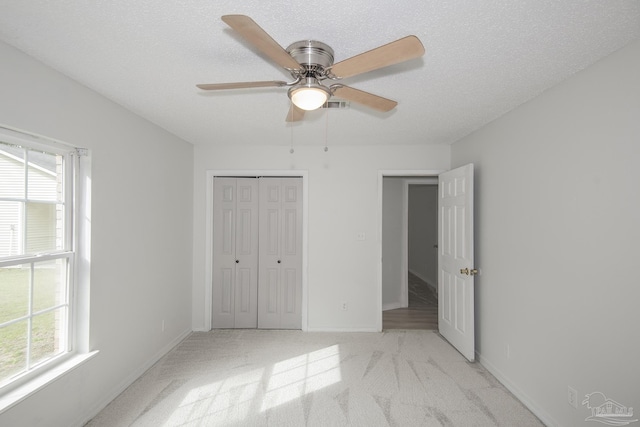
{"x":18,"y":350}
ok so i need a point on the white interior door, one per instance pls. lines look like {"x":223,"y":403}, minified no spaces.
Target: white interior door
{"x":280,"y":271}
{"x":235,"y":253}
{"x":455,"y":259}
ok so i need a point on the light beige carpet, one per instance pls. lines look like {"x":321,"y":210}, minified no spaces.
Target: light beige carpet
{"x":294,"y":378}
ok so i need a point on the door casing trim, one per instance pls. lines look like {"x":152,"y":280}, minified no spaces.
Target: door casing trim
{"x":409,"y":174}
{"x":208,"y":306}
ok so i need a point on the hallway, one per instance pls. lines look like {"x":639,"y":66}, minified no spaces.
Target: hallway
{"x":422,"y":312}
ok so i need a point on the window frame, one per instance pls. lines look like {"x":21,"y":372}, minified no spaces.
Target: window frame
{"x":75,"y":249}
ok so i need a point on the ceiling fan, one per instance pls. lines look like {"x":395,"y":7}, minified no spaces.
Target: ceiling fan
{"x":310,"y":63}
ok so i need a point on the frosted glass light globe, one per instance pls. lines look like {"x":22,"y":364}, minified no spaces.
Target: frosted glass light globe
{"x":309,"y":98}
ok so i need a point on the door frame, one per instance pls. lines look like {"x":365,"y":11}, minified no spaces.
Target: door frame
{"x":253,"y":173}
{"x":410,"y":175}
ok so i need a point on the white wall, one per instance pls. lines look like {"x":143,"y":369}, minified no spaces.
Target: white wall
{"x":142,"y":183}
{"x":392,"y":233}
{"x":557,"y":232}
{"x":343,"y":201}
{"x":423,"y":232}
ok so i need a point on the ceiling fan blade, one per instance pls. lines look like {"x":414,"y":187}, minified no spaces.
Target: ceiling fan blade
{"x":365,"y":98}
{"x":400,"y":50}
{"x":240,"y":85}
{"x":255,"y":35}
{"x":295,"y":114}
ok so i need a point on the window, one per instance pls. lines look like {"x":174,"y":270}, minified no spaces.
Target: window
{"x":39,"y":202}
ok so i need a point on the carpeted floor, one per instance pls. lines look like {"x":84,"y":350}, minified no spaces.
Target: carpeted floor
{"x":293,"y":378}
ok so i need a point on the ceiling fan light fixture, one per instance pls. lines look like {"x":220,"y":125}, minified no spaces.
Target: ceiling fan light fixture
{"x":308,"y":98}
{"x":310,"y":95}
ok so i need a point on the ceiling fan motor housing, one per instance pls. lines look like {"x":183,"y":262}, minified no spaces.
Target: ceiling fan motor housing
{"x":313,"y":55}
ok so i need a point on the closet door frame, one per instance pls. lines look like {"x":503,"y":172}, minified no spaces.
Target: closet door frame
{"x":211,"y":174}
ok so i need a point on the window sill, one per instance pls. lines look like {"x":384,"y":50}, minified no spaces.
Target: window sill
{"x":20,"y":393}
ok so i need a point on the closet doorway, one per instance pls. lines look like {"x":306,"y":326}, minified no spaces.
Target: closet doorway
{"x":256,"y":261}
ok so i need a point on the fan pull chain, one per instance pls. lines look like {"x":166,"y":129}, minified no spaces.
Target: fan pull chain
{"x":326,"y":132}
{"x":291,"y":125}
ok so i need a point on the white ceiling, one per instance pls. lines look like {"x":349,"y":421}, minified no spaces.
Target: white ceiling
{"x":483,"y":58}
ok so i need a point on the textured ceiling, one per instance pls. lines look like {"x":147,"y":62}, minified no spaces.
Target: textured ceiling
{"x":483,"y":58}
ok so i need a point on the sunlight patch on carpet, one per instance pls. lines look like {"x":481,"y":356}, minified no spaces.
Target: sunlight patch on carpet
{"x":301,"y":375}
{"x":231,"y":399}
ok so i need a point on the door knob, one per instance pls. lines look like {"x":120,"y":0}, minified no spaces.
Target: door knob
{"x":468,"y":272}
{"x":237,"y":261}
{"x":279,"y":261}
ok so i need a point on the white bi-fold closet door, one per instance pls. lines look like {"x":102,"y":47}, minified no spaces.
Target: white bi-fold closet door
{"x":235,"y":253}
{"x":257,"y":258}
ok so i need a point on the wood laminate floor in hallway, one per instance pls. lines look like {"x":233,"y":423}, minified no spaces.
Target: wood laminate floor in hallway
{"x":422,"y":312}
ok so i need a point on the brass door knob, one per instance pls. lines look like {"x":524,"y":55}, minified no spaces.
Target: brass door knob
{"x":468,"y":272}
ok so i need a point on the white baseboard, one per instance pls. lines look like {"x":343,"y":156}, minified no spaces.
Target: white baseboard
{"x":88,"y":415}
{"x":522,"y":397}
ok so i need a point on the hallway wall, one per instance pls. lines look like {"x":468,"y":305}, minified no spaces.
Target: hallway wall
{"x":392,"y":231}
{"x":423,"y":232}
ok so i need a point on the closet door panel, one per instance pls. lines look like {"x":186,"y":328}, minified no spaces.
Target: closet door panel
{"x":243,"y":299}
{"x":224,"y":247}
{"x":290,"y":291}
{"x":246,"y":234}
{"x":269,"y":267}
{"x":291,"y":253}
{"x":280,"y":287}
{"x":271,"y":293}
{"x":226,"y":291}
